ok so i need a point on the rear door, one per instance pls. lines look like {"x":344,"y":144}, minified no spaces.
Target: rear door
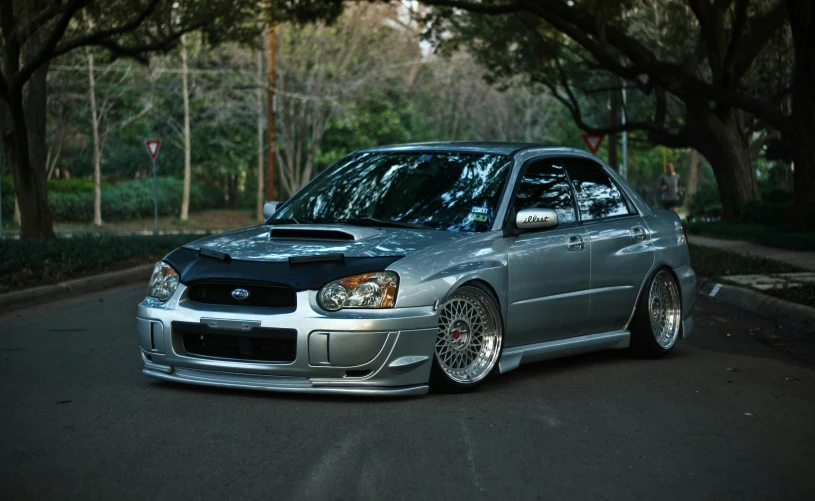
{"x":549,"y":268}
{"x":619,"y":241}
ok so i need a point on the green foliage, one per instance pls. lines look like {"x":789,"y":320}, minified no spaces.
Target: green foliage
{"x":130,"y":200}
{"x":29,"y":263}
{"x":706,"y":203}
{"x":73,"y":185}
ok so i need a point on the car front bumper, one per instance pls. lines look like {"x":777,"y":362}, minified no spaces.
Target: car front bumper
{"x":369,"y":352}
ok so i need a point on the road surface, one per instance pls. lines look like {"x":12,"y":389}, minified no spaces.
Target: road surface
{"x":730,"y":415}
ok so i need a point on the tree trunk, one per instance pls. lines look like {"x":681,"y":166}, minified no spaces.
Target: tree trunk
{"x":271,"y":142}
{"x":722,"y":142}
{"x":612,"y":122}
{"x":97,"y":155}
{"x":693,"y":175}
{"x":27,"y":157}
{"x":232,"y":191}
{"x":16,"y":211}
{"x":259,"y":205}
{"x":802,"y":15}
{"x":185,"y":200}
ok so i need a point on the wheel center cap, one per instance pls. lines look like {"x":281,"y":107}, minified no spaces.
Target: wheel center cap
{"x":459,"y":334}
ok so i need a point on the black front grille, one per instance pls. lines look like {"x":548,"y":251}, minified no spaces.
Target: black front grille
{"x":259,"y":344}
{"x":268,"y":296}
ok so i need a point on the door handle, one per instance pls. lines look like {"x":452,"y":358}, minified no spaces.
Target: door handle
{"x":638,"y":233}
{"x":575,"y":243}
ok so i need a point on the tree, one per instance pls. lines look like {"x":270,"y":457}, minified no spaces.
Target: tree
{"x":693,"y":71}
{"x":185,"y":93}
{"x":322,"y":70}
{"x":34,"y":32}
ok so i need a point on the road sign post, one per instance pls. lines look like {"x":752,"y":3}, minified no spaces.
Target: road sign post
{"x":593,"y":141}
{"x":153,"y":146}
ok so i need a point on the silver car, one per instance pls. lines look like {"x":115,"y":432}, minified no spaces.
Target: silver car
{"x":436,"y":265}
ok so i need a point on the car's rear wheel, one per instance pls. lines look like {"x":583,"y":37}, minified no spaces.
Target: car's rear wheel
{"x":469,"y":341}
{"x":656,"y":324}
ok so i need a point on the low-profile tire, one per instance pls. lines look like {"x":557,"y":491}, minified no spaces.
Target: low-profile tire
{"x":469,"y":342}
{"x":658,"y":318}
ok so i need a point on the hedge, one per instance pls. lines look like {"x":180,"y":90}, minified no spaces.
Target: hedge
{"x":31,"y":263}
{"x":72,"y":199}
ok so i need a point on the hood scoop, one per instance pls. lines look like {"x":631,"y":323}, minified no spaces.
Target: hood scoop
{"x":310,"y":234}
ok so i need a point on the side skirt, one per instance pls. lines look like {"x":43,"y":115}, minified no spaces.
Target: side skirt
{"x":517,"y":355}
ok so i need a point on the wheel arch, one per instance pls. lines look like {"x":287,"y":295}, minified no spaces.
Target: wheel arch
{"x":502,"y":304}
{"x":647,"y":280}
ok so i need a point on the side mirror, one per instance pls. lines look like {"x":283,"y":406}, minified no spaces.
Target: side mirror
{"x":269,"y":208}
{"x":535,"y":219}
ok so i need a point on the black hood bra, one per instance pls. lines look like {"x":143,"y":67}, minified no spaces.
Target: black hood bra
{"x":300,"y":273}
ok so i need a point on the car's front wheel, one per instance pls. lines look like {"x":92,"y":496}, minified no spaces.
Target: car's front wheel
{"x":656,"y":323}
{"x":469,"y":341}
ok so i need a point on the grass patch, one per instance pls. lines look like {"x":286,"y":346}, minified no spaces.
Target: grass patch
{"x":781,"y":238}
{"x":713,"y":263}
{"x":719,"y":264}
{"x":33,"y":263}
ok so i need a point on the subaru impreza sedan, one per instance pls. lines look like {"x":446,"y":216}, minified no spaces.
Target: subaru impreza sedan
{"x":404,"y":268}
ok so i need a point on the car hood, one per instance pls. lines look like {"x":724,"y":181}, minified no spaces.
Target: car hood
{"x":280,"y":242}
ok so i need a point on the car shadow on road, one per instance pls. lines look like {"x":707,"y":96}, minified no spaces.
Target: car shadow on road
{"x":497,"y":382}
{"x":559,"y":366}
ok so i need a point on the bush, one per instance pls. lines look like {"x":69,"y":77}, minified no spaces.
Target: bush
{"x":131,"y":200}
{"x":768,"y":213}
{"x":72,"y":199}
{"x":29,"y":263}
{"x":74,"y":185}
{"x":706,"y":202}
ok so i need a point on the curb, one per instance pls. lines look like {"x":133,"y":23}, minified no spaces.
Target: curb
{"x":64,"y":290}
{"x":755,"y":302}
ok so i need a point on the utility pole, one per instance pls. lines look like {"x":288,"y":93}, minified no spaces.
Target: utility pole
{"x":270,"y":110}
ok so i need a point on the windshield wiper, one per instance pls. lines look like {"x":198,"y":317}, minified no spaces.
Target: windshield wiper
{"x":371,"y":221}
{"x":285,"y":220}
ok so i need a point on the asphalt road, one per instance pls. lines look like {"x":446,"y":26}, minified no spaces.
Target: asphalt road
{"x":730,"y":415}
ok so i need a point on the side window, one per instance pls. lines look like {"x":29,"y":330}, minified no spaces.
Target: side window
{"x":597,"y":195}
{"x":545,"y":186}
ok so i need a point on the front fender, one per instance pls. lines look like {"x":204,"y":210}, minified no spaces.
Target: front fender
{"x":433,"y":274}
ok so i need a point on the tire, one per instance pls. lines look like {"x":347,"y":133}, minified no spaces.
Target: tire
{"x":469,"y":342}
{"x":658,"y":319}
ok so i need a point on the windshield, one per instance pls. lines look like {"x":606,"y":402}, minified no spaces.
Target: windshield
{"x":443,"y":191}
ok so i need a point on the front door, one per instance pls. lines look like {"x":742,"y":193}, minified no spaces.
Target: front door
{"x":549,"y":268}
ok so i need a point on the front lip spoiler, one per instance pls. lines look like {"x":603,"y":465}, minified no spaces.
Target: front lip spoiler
{"x":272,"y":383}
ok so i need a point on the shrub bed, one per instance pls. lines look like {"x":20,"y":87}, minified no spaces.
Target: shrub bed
{"x":72,"y":199}
{"x":33,"y":263}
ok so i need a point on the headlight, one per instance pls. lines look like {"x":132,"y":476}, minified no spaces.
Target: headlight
{"x":164,"y":281}
{"x":369,"y":290}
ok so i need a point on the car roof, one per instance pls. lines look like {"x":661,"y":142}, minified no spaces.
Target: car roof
{"x":501,"y":148}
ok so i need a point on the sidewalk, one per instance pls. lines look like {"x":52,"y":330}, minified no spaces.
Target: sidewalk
{"x":802,"y":259}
